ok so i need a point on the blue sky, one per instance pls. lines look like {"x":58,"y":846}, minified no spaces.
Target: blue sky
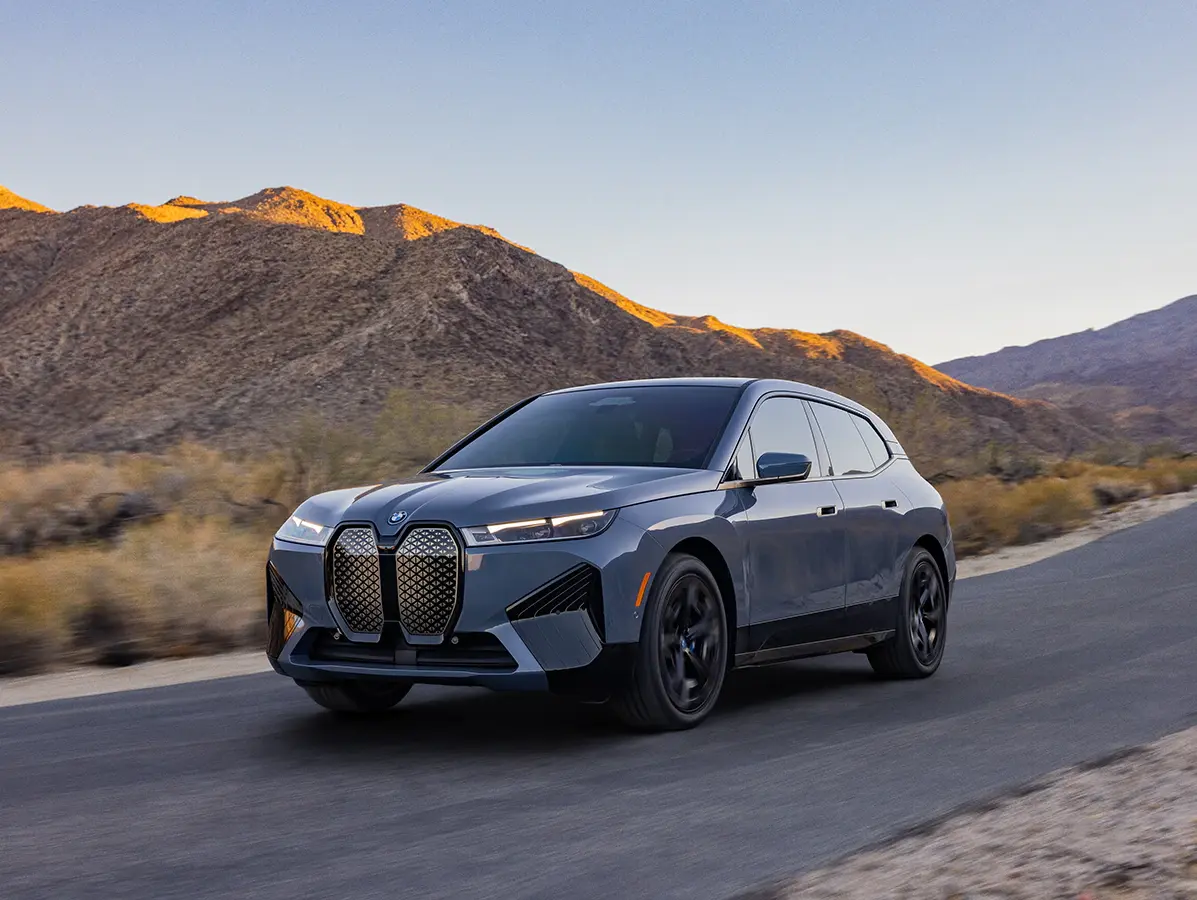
{"x":945,"y":177}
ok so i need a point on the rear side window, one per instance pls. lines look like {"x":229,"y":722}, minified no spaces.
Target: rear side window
{"x":849,"y":454}
{"x":876,"y":444}
{"x":780,"y":425}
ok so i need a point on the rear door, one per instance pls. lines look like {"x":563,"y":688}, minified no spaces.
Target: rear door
{"x":793,"y":531}
{"x":857,"y":456}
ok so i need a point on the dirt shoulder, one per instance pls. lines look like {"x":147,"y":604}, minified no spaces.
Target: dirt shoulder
{"x":93,"y":681}
{"x":1127,"y":516}
{"x":1121,"y":830}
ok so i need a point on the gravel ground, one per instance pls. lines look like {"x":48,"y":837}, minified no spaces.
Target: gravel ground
{"x":1125,"y":829}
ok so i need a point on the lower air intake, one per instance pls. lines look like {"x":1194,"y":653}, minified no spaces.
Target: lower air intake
{"x":284,"y":611}
{"x":578,"y":589}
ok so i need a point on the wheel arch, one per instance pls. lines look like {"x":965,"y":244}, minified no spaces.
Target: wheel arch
{"x":931,"y":544}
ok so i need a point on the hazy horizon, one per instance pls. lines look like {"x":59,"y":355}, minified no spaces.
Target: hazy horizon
{"x":948,"y":180}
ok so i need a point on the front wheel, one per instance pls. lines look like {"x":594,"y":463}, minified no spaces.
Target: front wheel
{"x":681,"y":660}
{"x":916,"y":649}
{"x":357,"y":696}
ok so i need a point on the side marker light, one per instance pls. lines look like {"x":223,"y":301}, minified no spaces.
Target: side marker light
{"x":643,"y":585}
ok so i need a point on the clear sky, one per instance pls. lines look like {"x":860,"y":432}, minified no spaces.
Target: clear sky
{"x":945,"y":177}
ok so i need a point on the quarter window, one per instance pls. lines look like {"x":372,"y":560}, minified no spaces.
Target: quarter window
{"x":781,"y":426}
{"x":849,"y":454}
{"x":878,"y":449}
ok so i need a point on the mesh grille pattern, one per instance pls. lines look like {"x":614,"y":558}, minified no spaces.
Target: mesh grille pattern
{"x":356,"y":580}
{"x":426,"y":566}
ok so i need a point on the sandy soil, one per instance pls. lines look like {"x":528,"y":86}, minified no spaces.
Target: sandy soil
{"x":1126,"y":830}
{"x":1124,"y":517}
{"x":92,"y":681}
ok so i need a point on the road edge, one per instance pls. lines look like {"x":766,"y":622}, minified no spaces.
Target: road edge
{"x":780,"y":888}
{"x":94,"y":681}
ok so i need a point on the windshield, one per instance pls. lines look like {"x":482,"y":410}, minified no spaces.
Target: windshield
{"x":663,"y":425}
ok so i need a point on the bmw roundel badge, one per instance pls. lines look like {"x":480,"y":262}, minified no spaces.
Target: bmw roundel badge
{"x":397,"y":516}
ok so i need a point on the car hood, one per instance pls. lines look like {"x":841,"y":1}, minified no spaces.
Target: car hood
{"x":489,"y":496}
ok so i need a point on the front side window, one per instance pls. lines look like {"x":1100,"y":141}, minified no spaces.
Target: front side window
{"x":651,"y":425}
{"x":845,"y":446}
{"x":780,"y":425}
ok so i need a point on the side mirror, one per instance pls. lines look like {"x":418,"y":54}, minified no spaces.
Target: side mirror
{"x":793,"y":466}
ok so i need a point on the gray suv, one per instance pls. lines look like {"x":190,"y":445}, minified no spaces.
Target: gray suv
{"x":628,"y":543}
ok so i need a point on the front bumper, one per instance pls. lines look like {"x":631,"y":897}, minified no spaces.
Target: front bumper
{"x":569,"y":652}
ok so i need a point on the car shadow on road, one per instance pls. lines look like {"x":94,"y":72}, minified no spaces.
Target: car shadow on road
{"x":440,"y":722}
{"x":759,"y":689}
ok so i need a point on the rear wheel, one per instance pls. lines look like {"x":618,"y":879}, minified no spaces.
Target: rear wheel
{"x":681,"y":660}
{"x":357,"y":696}
{"x":916,"y":649}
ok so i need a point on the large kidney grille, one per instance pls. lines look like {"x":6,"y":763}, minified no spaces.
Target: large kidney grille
{"x":357,"y":580}
{"x":426,"y":573}
{"x":426,"y":579}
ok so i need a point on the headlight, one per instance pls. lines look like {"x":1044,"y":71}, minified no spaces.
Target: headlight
{"x":555,"y":529}
{"x":304,"y":532}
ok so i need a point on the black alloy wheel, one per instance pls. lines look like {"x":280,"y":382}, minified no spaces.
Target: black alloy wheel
{"x":682,"y":656}
{"x":692,"y":642}
{"x":926,"y":612}
{"x":916,"y":648}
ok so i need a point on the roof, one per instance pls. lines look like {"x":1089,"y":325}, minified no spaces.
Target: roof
{"x":646,"y":382}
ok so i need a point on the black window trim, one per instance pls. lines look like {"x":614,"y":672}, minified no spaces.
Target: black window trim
{"x":820,"y":444}
{"x":857,"y":419}
{"x":876,"y":470}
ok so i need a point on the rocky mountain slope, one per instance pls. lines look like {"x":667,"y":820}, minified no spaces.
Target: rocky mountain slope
{"x":135,"y":327}
{"x":1142,"y":371}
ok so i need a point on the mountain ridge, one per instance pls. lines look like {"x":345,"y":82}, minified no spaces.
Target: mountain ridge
{"x":1141,"y":371}
{"x":132,"y":327}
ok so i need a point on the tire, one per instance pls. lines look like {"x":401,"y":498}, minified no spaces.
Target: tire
{"x":357,"y":696}
{"x":916,"y":649}
{"x":681,"y":660}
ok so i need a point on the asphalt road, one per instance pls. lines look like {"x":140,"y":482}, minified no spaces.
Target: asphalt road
{"x":242,"y":788}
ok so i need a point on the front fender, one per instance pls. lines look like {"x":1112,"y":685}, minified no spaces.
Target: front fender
{"x":708,"y":517}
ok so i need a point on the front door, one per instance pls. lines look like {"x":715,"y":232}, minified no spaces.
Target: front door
{"x":794,"y":537}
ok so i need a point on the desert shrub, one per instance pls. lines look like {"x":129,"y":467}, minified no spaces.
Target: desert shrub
{"x":1117,"y":453}
{"x":987,"y":513}
{"x":1044,"y":507}
{"x":1071,"y":468}
{"x":976,"y":524}
{"x":93,"y":499}
{"x":408,"y":433}
{"x":172,"y":587}
{"x":23,"y":651}
{"x":1170,"y":476}
{"x":1113,"y":491}
{"x":28,"y":628}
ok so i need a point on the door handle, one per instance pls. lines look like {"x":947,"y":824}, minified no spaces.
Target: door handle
{"x":826,"y":511}
{"x":891,"y":504}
